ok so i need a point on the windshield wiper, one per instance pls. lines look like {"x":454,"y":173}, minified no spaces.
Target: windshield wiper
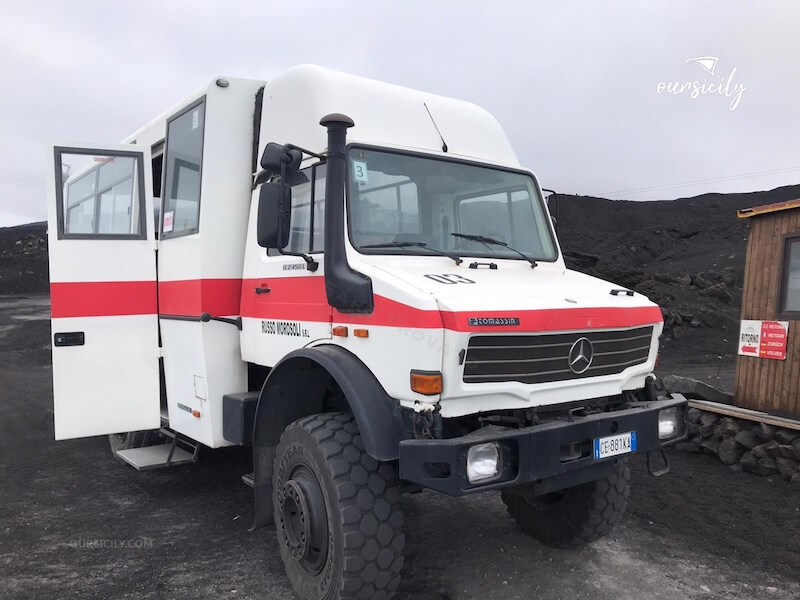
{"x":487,"y":240}
{"x":458,"y":260}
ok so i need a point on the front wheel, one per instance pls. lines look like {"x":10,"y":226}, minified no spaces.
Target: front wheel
{"x":338,"y":518}
{"x":574,"y":516}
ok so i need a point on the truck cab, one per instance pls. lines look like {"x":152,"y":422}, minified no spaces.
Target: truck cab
{"x":362,"y":283}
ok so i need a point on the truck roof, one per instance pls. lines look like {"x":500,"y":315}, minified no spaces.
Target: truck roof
{"x":384,"y":114}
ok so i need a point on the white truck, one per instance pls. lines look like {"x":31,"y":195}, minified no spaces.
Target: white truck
{"x":360,"y":282}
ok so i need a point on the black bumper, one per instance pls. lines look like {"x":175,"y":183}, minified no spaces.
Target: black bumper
{"x":534,"y":454}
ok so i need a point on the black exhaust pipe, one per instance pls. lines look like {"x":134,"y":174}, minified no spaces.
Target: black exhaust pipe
{"x":348,"y":291}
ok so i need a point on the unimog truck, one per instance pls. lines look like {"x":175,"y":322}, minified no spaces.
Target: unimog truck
{"x":359,"y":282}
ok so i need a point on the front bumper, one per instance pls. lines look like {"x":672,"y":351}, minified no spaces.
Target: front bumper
{"x":534,"y":454}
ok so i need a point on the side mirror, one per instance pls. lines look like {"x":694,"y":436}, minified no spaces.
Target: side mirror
{"x":274,"y":213}
{"x":276,"y":155}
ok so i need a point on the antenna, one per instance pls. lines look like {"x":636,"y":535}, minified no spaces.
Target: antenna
{"x":441,"y":137}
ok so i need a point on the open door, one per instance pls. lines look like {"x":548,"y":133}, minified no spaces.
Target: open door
{"x":102,"y":290}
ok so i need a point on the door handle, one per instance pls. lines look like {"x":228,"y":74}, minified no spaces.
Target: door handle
{"x":70,"y":338}
{"x":263,"y":289}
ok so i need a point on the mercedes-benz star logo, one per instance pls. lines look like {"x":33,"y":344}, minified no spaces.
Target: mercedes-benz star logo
{"x":580,"y":356}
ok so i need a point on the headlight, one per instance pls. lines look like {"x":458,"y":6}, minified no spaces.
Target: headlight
{"x":484,"y":462}
{"x":670,"y":423}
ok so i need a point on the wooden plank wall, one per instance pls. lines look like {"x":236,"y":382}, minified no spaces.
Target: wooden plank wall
{"x":761,"y":383}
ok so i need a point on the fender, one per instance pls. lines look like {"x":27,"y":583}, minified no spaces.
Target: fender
{"x":296,"y":387}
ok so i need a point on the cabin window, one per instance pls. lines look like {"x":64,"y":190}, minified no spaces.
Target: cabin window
{"x":100,"y":195}
{"x":404,"y":203}
{"x":318,"y":224}
{"x":507,"y":216}
{"x":308,"y":213}
{"x":182,"y":172}
{"x":790,"y":278}
{"x":299,"y":234}
{"x":157,"y":156}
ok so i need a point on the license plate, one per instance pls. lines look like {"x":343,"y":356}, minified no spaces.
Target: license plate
{"x":624,"y":443}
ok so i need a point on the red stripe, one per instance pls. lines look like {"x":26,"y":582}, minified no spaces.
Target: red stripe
{"x":556,"y":319}
{"x":191,"y":297}
{"x":390,"y":313}
{"x":304,"y":299}
{"x":102,"y":298}
{"x":289,"y":298}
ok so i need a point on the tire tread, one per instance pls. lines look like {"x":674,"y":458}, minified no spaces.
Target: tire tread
{"x":591,"y":511}
{"x":338,"y":439}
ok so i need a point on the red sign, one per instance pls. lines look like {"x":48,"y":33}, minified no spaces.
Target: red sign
{"x":764,"y":339}
{"x":773,"y":340}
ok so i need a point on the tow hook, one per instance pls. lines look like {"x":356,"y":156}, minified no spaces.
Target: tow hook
{"x":652,"y":469}
{"x":427,"y":421}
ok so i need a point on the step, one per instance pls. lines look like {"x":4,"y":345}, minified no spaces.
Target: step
{"x":154,"y":457}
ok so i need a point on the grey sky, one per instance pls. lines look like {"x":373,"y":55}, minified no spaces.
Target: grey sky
{"x":574,"y":84}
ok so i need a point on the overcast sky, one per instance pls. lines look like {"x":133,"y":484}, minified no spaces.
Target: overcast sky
{"x":574,"y":84}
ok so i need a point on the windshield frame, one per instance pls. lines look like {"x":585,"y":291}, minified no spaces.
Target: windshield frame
{"x":422,"y":252}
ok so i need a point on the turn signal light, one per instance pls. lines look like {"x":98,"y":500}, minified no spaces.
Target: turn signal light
{"x":340,"y":331}
{"x":426,"y":382}
{"x":196,"y":413}
{"x":362,"y":333}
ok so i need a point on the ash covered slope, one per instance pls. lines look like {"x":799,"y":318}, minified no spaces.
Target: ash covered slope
{"x":688,"y":255}
{"x":23,"y":259}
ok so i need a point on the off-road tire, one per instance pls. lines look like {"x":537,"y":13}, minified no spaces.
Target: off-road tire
{"x":365,"y":540}
{"x":574,"y":516}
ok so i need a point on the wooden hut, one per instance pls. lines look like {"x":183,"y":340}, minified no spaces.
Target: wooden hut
{"x":768,"y":364}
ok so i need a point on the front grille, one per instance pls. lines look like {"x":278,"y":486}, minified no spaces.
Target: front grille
{"x":545,"y":358}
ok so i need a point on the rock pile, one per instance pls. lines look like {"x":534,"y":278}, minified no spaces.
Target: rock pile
{"x":743,"y":445}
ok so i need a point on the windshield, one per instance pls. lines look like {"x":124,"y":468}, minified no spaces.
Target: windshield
{"x":397,"y":197}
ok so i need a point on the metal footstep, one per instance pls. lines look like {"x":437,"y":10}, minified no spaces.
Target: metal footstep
{"x":655,"y":470}
{"x":169,"y":454}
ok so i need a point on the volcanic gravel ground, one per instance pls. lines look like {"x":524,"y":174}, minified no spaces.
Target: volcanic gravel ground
{"x":75,"y":523}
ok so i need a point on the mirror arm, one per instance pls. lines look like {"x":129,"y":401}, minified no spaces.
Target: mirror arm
{"x":261,"y":177}
{"x":311,"y":264}
{"x":322,"y":157}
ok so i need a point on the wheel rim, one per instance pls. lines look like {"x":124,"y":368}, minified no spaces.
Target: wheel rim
{"x":303,"y":521}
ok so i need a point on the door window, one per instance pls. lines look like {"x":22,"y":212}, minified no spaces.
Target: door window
{"x":184,"y":157}
{"x":99,"y":195}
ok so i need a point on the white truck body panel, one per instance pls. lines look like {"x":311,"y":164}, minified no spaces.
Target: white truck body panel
{"x":384,"y":114}
{"x":418,"y":323}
